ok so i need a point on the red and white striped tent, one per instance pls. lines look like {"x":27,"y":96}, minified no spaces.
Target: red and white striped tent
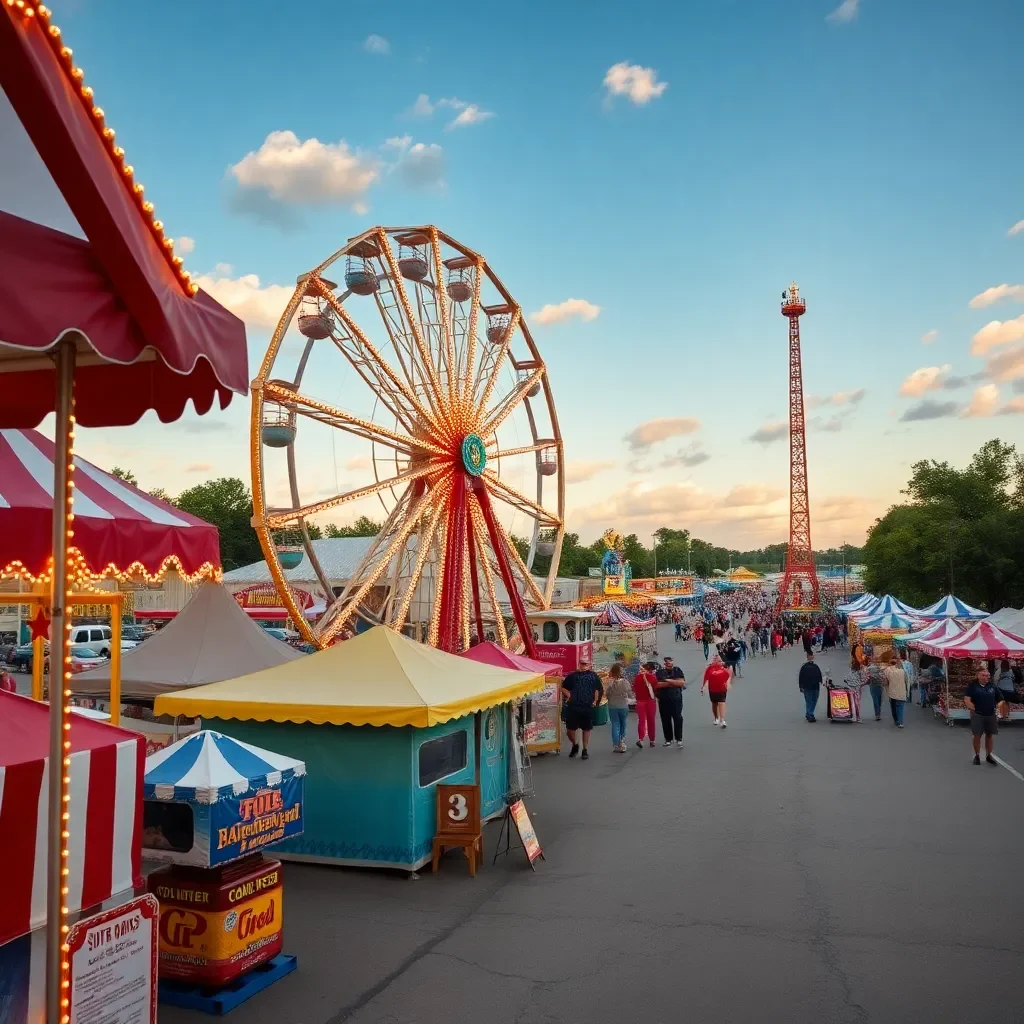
{"x":982,"y":640}
{"x":105,"y":846}
{"x":117,"y":526}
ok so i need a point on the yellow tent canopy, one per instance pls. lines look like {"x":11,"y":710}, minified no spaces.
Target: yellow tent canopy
{"x":741,"y":574}
{"x":377,"y":678}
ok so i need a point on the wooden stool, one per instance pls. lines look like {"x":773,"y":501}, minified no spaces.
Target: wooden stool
{"x":472,"y":845}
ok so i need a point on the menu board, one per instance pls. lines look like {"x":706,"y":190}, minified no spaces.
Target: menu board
{"x":113,"y":965}
{"x":526,"y":833}
{"x":543,"y":730}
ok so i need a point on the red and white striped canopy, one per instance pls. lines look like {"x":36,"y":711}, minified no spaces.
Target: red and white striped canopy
{"x":116,"y":526}
{"x":982,"y":640}
{"x":105,"y":845}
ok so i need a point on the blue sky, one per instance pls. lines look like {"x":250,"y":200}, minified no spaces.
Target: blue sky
{"x":871,"y":152}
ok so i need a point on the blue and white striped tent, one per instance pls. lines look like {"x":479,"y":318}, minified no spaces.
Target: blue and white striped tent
{"x":890,"y":620}
{"x":889,"y":605}
{"x":862,"y":603}
{"x":951,"y":607}
{"x":209,"y":766}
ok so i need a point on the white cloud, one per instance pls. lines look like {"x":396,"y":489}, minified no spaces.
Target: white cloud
{"x":652,"y":431}
{"x":469,"y":113}
{"x":691,"y":455}
{"x":929,"y":409}
{"x":287,"y":170}
{"x":990,"y":296}
{"x":845,"y":12}
{"x":769,"y":432}
{"x":358,"y":462}
{"x":578,"y":472}
{"x":929,"y":336}
{"x":839,"y":398}
{"x":640,"y":84}
{"x":184,"y":245}
{"x":996,"y":333}
{"x":568,"y":310}
{"x":377,"y":45}
{"x":744,"y":495}
{"x":422,"y":107}
{"x":1017,"y":229}
{"x":1006,"y":365}
{"x":927,"y":378}
{"x":260,"y":306}
{"x":199,"y":467}
{"x":983,"y":403}
{"x":418,"y":164}
{"x":1013,"y":406}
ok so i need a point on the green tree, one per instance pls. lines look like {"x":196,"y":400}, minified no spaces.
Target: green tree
{"x":362,"y":527}
{"x":124,"y":474}
{"x":962,"y":531}
{"x":227,"y":504}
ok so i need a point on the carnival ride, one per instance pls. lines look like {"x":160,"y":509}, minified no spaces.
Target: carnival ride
{"x":442,"y":379}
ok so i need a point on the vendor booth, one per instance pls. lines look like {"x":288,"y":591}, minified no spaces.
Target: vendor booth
{"x":961,"y":655}
{"x":543,"y":730}
{"x":620,"y":636}
{"x":378,"y":720}
{"x":951,"y":607}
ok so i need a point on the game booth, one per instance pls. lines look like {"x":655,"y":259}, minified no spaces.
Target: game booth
{"x":378,"y":720}
{"x":212,"y":806}
{"x":621,"y":636}
{"x":104,"y":842}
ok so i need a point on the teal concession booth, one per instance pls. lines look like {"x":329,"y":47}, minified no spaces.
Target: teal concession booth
{"x":378,"y":720}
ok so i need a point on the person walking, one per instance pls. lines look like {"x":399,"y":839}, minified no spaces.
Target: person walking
{"x":896,"y":688}
{"x":617,"y":692}
{"x":716,"y":681}
{"x":908,"y":671}
{"x":671,"y":683}
{"x":984,"y":701}
{"x":876,"y":685}
{"x":645,"y":688}
{"x":705,"y":638}
{"x":810,"y":686}
{"x":582,"y":691}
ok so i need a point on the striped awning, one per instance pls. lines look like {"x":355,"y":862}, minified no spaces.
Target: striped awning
{"x":982,"y":640}
{"x":116,"y":525}
{"x":951,"y":607}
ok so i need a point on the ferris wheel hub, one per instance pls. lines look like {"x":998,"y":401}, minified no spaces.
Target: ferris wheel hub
{"x":474,"y":454}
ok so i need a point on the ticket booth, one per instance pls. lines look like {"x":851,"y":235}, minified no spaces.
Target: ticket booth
{"x":563,"y":636}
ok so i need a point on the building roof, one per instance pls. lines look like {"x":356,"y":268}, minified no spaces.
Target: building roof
{"x":339,"y":557}
{"x":377,"y":678}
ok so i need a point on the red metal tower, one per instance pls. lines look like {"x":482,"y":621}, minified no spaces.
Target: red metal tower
{"x":799,"y":589}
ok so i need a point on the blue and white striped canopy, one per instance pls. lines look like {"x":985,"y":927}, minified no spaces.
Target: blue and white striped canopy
{"x":863,"y":602}
{"x":951,"y":607}
{"x":208,"y":766}
{"x":890,"y":620}
{"x":890,"y":605}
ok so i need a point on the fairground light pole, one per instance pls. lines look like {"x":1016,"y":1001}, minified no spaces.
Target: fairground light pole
{"x":800,"y":574}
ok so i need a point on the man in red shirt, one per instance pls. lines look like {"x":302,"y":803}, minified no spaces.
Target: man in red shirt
{"x":716,"y":680}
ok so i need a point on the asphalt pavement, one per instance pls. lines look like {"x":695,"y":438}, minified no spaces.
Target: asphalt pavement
{"x":773,"y":871}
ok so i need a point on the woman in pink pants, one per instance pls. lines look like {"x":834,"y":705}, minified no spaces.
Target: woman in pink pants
{"x":644,"y":687}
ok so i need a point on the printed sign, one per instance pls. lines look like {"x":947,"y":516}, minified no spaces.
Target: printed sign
{"x":543,"y":731}
{"x":566,"y":656}
{"x":839,"y":704}
{"x":458,"y":810}
{"x":113,"y":965}
{"x":526,"y":833}
{"x":242,"y":825}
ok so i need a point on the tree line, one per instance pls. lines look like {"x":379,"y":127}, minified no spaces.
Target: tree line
{"x":960,"y":531}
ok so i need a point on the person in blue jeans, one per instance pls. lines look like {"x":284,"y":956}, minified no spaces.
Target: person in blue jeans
{"x":876,"y":684}
{"x":617,"y":691}
{"x":810,"y":686}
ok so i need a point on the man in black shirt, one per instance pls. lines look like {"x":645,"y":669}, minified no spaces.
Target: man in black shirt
{"x":582,"y":692}
{"x":982,"y":700}
{"x":671,"y":683}
{"x":810,"y":686}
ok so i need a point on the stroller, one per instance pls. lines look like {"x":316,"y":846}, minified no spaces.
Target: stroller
{"x":843,"y":700}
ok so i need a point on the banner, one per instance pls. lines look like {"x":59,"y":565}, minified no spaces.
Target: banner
{"x":526,"y":833}
{"x":543,"y":730}
{"x":243,"y":825}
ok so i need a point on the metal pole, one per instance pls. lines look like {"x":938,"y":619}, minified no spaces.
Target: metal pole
{"x":60,"y":749}
{"x":654,"y":537}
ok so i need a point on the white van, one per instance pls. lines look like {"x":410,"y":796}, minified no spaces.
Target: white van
{"x":96,"y":638}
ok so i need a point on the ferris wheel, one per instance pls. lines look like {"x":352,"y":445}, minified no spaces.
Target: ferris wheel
{"x":413,"y":390}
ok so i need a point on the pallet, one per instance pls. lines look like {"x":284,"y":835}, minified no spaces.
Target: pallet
{"x":221,"y":1001}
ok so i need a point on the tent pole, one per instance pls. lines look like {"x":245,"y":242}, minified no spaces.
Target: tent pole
{"x":60,"y":748}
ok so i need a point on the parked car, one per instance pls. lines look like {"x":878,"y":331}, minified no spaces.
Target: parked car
{"x":20,"y":658}
{"x":83,"y":658}
{"x":96,"y":638}
{"x":136,"y":633}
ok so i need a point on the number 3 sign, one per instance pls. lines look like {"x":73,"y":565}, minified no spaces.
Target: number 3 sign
{"x":458,"y":810}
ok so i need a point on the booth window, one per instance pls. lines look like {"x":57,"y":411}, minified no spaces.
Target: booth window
{"x":167,"y":825}
{"x":442,"y":757}
{"x":551,"y":632}
{"x":585,"y":630}
{"x":570,"y":631}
